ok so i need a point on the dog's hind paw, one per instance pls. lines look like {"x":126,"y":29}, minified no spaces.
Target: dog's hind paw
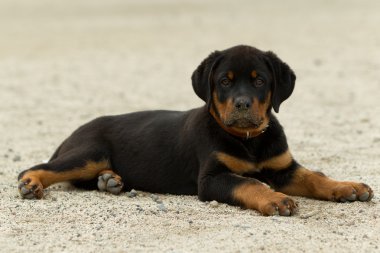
{"x":30,"y":188}
{"x":110,"y":182}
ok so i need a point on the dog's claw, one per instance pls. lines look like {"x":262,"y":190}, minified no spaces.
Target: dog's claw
{"x":364,"y":196}
{"x":286,"y":212}
{"x":352,"y":197}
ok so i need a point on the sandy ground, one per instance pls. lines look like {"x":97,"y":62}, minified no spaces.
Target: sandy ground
{"x":63,"y":63}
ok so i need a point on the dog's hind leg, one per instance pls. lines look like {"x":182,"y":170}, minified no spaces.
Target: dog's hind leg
{"x":76,"y":165}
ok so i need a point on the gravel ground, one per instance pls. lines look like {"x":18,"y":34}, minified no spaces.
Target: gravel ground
{"x":63,"y":63}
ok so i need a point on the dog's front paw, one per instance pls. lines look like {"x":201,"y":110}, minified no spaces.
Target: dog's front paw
{"x":30,"y":188}
{"x":277,"y":204}
{"x":351,"y":191}
{"x":110,"y":182}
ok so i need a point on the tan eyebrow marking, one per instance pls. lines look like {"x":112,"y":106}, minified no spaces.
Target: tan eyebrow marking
{"x":230,"y":75}
{"x":254,"y":73}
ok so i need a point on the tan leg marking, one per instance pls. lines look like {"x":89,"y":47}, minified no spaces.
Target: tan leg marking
{"x":259,"y":197}
{"x":36,"y":180}
{"x":316,"y":185}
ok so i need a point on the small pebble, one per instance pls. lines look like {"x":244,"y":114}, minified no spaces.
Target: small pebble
{"x":317,"y":62}
{"x":162,"y":207}
{"x":214,"y":203}
{"x":364,"y":120}
{"x":156,"y":198}
{"x":17,"y":158}
{"x":132,"y":193}
{"x":309,"y":214}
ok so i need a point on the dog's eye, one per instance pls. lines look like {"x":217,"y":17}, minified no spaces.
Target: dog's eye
{"x":225,"y":82}
{"x":259,"y":82}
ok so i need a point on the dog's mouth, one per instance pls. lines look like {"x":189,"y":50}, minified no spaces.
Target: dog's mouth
{"x":243,"y":121}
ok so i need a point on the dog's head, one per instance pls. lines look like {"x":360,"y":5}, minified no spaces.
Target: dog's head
{"x":241,"y":85}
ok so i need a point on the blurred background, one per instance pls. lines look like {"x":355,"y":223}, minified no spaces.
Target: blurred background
{"x":63,"y":63}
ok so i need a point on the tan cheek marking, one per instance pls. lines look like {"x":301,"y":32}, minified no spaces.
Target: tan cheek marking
{"x":223,"y":108}
{"x":89,"y":171}
{"x":278,"y":162}
{"x":230,"y":75}
{"x":234,"y":164}
{"x":260,"y":109}
{"x":264,"y":106}
{"x":254,"y":74}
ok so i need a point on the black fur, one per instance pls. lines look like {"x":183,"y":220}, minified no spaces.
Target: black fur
{"x":284,"y":80}
{"x":201,"y":78}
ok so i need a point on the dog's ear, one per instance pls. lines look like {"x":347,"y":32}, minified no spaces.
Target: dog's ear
{"x":202,"y":76}
{"x":284,"y":80}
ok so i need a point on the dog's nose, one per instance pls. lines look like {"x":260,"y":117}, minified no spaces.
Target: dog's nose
{"x":243,"y":103}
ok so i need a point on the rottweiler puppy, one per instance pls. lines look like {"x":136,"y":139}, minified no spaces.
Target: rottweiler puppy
{"x":225,"y":150}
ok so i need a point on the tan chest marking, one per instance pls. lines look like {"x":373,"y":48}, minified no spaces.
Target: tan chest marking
{"x":235,"y":164}
{"x":277,"y":162}
{"x":241,"y":166}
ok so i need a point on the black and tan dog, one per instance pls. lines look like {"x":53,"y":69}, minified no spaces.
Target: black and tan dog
{"x":222,"y":151}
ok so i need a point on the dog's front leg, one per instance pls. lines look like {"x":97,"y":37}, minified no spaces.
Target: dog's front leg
{"x":217,"y":184}
{"x":313,"y":184}
{"x":287,"y":176}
